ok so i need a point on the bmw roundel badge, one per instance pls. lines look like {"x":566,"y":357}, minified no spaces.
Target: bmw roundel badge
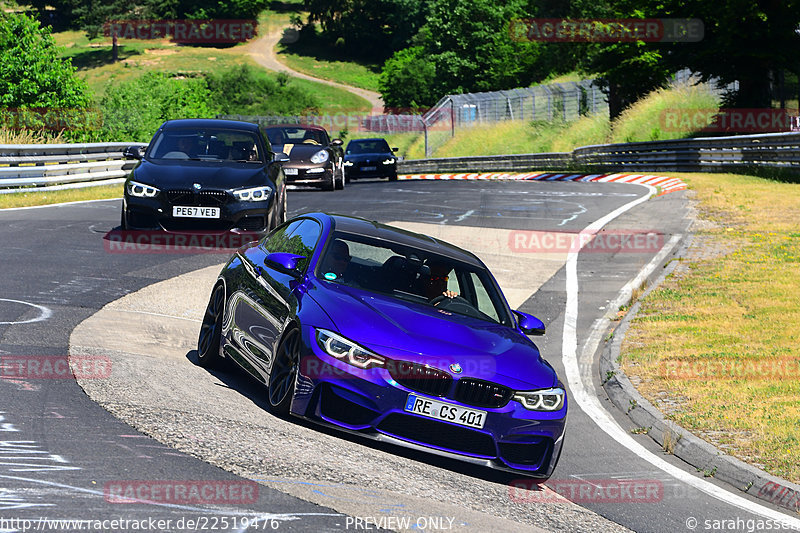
{"x":455,"y":367}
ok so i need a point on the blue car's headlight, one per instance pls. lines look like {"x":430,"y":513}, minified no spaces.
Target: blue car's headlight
{"x":389,"y":161}
{"x":347,"y":351}
{"x":141,"y":190}
{"x":320,"y":157}
{"x":253,"y":194}
{"x":348,"y":163}
{"x":541,"y":400}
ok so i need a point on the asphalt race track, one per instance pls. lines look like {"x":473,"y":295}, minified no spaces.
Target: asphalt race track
{"x":60,"y":451}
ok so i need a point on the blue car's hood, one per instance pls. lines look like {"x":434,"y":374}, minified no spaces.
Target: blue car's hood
{"x":210,"y":175}
{"x":427,"y":335}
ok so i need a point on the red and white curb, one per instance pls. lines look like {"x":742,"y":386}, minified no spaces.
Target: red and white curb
{"x":665,"y":184}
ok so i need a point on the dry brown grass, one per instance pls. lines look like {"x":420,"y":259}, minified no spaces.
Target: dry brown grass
{"x":716,"y":346}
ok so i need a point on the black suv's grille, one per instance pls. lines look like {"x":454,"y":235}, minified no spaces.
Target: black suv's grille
{"x":420,"y":378}
{"x":252,"y":223}
{"x":482,"y":393}
{"x":201,"y":198}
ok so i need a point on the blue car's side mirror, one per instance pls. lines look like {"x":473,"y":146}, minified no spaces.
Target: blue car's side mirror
{"x":529,"y":324}
{"x":285,"y":262}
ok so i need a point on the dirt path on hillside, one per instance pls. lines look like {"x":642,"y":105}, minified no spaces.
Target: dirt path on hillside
{"x":263,"y":51}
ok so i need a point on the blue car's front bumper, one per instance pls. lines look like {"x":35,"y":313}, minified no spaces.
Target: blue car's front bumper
{"x":371,"y":403}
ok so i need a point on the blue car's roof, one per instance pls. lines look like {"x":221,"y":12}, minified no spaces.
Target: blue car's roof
{"x":371,"y":228}
{"x":209,"y":123}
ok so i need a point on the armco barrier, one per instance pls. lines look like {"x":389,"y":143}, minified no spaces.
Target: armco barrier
{"x":704,"y":154}
{"x":30,"y":165}
{"x":38,"y":165}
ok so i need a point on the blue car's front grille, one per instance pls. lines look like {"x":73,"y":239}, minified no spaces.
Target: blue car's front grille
{"x":438,"y":434}
{"x":420,"y":378}
{"x":482,"y":393}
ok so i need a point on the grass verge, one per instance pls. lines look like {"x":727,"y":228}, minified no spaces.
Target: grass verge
{"x":93,"y":60}
{"x":322,"y":61}
{"x":716,"y":346}
{"x":29,"y":198}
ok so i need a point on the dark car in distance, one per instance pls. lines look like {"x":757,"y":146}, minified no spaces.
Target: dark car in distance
{"x":314,"y":159}
{"x":205,"y":175}
{"x":389,"y":334}
{"x":370,"y":158}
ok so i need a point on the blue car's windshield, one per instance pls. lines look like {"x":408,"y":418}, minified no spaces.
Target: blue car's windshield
{"x":412,"y":275}
{"x":206,"y":145}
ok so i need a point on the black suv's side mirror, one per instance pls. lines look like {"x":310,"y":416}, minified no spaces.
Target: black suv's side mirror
{"x":132,"y":152}
{"x":280,"y":157}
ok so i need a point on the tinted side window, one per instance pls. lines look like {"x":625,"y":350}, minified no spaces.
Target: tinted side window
{"x":278,"y":241}
{"x":303,"y":240}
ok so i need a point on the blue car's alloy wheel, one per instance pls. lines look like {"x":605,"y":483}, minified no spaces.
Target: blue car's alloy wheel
{"x":208,"y":342}
{"x":284,"y":372}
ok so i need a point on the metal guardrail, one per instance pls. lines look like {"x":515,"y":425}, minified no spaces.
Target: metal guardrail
{"x":704,"y":154}
{"x":53,"y":164}
{"x":31,"y":165}
{"x":503,"y":163}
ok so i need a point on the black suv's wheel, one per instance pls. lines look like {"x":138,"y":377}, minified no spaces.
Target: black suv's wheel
{"x":283,"y":375}
{"x":211,"y":330}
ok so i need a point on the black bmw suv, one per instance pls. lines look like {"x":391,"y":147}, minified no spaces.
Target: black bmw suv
{"x":205,"y":175}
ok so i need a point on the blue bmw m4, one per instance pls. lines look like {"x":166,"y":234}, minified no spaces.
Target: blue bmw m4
{"x":392,"y":335}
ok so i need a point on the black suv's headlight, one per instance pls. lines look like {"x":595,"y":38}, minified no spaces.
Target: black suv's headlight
{"x":254,"y":194}
{"x":141,"y":190}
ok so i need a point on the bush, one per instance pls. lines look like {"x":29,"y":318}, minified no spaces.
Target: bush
{"x":246,"y":91}
{"x":133,"y":110}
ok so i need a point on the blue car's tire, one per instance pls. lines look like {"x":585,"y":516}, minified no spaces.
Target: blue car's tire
{"x":283,"y":375}
{"x":211,"y":329}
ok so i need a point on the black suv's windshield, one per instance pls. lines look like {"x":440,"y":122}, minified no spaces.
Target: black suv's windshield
{"x":206,"y":145}
{"x":378,"y":146}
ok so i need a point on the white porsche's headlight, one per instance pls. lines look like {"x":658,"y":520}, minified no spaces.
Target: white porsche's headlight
{"x":254,"y":194}
{"x":141,"y":190}
{"x":541,"y":400}
{"x":346,"y":350}
{"x":320,"y":157}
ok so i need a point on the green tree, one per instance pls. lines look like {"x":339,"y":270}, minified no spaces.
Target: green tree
{"x":31,"y":72}
{"x":407,"y":80}
{"x":464,"y":46}
{"x":368,"y":28}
